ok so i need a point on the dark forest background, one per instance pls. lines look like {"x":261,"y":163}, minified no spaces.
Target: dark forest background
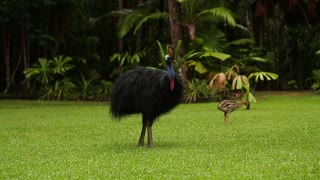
{"x":75,"y":49}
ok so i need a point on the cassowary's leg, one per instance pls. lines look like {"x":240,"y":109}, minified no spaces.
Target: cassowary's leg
{"x":146,"y":125}
{"x":143,"y":132}
{"x":149,"y":128}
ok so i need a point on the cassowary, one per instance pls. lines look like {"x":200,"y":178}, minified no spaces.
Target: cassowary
{"x":148,"y":91}
{"x":227,"y":106}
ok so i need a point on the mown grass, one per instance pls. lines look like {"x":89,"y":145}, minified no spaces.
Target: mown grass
{"x":278,"y":138}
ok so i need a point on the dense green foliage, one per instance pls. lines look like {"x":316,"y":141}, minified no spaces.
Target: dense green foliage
{"x":105,"y":38}
{"x":277,"y":139}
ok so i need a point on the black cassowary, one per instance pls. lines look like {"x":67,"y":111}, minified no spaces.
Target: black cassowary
{"x":148,"y":91}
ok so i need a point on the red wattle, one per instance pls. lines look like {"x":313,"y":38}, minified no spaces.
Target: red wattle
{"x":172,"y":84}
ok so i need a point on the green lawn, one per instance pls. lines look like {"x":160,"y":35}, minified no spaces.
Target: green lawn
{"x":279,"y":138}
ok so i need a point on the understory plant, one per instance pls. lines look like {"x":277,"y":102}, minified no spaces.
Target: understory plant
{"x":240,"y":82}
{"x":50,"y":79}
{"x":196,"y":90}
{"x":315,"y":78}
{"x":47,"y":78}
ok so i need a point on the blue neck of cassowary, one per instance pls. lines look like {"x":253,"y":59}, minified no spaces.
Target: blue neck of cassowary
{"x":170,"y":71}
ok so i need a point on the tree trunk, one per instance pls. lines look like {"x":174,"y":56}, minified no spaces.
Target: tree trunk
{"x":120,"y":41}
{"x":175,"y":22}
{"x":6,"y":44}
{"x":139,"y":35}
{"x":248,"y":16}
{"x":176,"y":32}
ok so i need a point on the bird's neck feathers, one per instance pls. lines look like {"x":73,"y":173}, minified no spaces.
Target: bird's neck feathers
{"x":170,"y":71}
{"x":170,"y":75}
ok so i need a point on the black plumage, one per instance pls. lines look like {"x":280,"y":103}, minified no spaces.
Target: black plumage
{"x":148,"y":91}
{"x":227,"y":106}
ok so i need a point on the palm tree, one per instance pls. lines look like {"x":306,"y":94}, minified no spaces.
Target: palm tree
{"x":199,"y":12}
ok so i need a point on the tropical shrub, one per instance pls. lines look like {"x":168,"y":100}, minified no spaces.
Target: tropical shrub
{"x":240,"y":82}
{"x":47,"y":78}
{"x":315,"y":78}
{"x":196,"y":90}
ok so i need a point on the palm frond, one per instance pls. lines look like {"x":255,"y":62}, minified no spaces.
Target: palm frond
{"x":153,"y":16}
{"x":213,"y":38}
{"x":128,"y":22}
{"x":218,"y":55}
{"x":242,"y":41}
{"x":221,"y":13}
{"x":261,"y":75}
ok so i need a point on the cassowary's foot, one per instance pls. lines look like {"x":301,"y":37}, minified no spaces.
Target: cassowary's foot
{"x":140,"y":143}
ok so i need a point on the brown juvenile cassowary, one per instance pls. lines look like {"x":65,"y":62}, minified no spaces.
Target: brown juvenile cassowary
{"x":227,"y":106}
{"x":148,"y":91}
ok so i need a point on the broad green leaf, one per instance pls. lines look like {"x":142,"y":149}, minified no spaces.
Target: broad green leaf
{"x":236,"y":83}
{"x":246,"y":87}
{"x":273,"y":75}
{"x":191,"y":63}
{"x":129,"y":21}
{"x":43,"y":62}
{"x":114,"y":56}
{"x":189,"y":55}
{"x":259,"y":59}
{"x":318,"y":52}
{"x":248,"y":96}
{"x":31,"y":71}
{"x":251,"y":98}
{"x":217,"y":55}
{"x":199,"y":67}
{"x":177,"y":49}
{"x":242,"y":41}
{"x":60,"y":64}
{"x":268,"y":77}
{"x":244,"y":79}
{"x":239,"y":82}
{"x":261,"y":75}
{"x":162,"y":49}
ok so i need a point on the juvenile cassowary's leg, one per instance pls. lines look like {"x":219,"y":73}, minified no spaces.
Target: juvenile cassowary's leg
{"x":226,"y":116}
